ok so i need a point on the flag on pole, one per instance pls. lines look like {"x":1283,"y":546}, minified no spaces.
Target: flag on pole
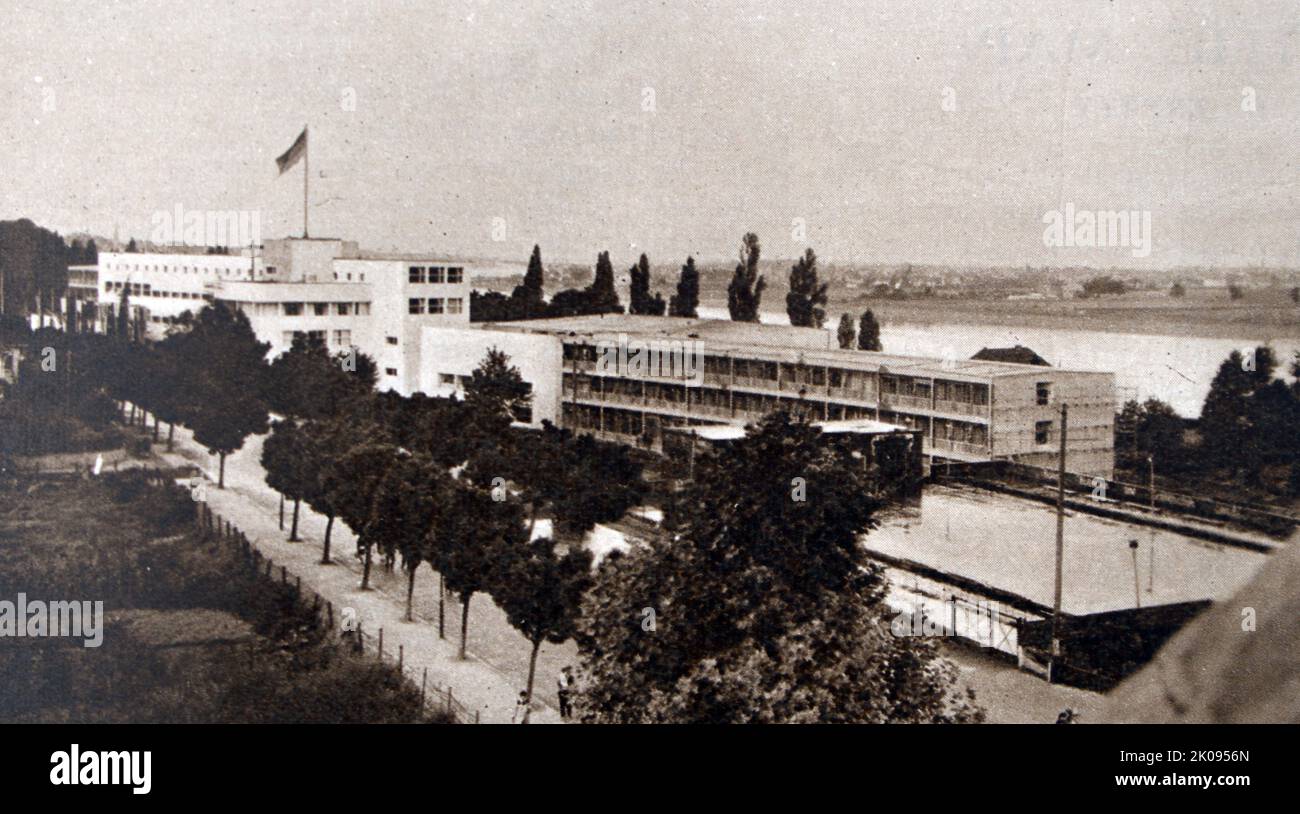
{"x":291,"y":156}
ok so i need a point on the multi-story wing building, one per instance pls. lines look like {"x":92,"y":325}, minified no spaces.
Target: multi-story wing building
{"x":326,"y":289}
{"x":967,"y":410}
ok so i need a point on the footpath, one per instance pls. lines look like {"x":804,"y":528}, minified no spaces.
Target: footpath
{"x":253,"y":508}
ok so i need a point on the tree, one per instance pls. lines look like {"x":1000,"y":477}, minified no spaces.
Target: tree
{"x":868,"y":332}
{"x":290,"y":465}
{"x":687,"y":299}
{"x":305,"y":382}
{"x":131,"y":246}
{"x":806,"y":293}
{"x":1295,"y":295}
{"x":225,"y":369}
{"x":329,"y":442}
{"x":641,"y":301}
{"x":846,"y":333}
{"x":496,"y":395}
{"x":766,"y":585}
{"x":745,"y":292}
{"x":122,"y":325}
{"x":33,"y":267}
{"x":1157,"y":431}
{"x":475,"y":536}
{"x":602,"y":297}
{"x":1235,"y":292}
{"x":581,"y":480}
{"x":534,"y":285}
{"x":407,"y":501}
{"x":489,"y":306}
{"x":540,"y":588}
{"x":1177,"y":291}
{"x":355,"y":500}
{"x":1226,"y":418}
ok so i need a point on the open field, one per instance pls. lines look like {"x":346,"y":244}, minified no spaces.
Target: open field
{"x":188,"y":633}
{"x":1260,"y":315}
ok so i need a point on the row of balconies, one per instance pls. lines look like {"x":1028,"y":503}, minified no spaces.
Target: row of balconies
{"x":887,"y":402}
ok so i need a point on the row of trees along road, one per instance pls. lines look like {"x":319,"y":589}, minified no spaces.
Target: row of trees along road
{"x":763,"y":607}
{"x":452,"y":484}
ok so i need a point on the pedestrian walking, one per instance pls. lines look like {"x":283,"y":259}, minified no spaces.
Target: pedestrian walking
{"x":564,"y":689}
{"x":521,"y":709}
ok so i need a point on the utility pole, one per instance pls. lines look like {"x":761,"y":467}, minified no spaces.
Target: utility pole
{"x":1060,"y":548}
{"x":306,"y":173}
{"x":1151,"y":480}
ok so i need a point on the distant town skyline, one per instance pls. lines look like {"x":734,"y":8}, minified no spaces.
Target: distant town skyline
{"x":873,"y":133}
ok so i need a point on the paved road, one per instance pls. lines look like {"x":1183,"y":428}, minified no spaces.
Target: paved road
{"x":488,"y":681}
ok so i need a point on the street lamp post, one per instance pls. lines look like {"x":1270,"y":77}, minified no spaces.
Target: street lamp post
{"x":1137,"y":594}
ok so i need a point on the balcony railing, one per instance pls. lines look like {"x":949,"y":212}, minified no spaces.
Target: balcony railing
{"x":915,"y":402}
{"x":964,"y":447}
{"x":961,"y":408}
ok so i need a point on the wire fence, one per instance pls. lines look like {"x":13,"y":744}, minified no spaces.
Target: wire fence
{"x":434,"y":698}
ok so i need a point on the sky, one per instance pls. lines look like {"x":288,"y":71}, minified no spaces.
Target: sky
{"x":878,"y":132}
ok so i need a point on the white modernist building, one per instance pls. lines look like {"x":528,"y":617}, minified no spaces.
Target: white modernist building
{"x":323,"y":288}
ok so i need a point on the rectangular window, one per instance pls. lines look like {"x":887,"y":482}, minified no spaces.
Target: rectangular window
{"x":343,"y":337}
{"x":415,"y":274}
{"x":343,"y":309}
{"x":455,"y":275}
{"x":1044,"y":393}
{"x":437,"y":305}
{"x":415,"y":306}
{"x":321,"y":309}
{"x":392,"y":340}
{"x":436,"y":274}
{"x":293,"y":309}
{"x":446,"y":378}
{"x":454,"y":305}
{"x":1042,"y":430}
{"x":390,"y":371}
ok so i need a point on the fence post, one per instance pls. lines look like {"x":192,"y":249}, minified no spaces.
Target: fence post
{"x":449,"y":712}
{"x":424,"y":680}
{"x":381,"y":644}
{"x":269,"y":563}
{"x":329,"y":611}
{"x":298,"y":585}
{"x":475,"y":716}
{"x":401,"y":652}
{"x":284,"y":575}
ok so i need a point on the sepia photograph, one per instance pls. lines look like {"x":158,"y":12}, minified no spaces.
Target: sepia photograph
{"x":477,"y":363}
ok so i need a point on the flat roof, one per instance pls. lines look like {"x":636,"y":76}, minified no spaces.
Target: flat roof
{"x":783,"y":343}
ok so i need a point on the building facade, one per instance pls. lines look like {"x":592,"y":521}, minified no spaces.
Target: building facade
{"x":966,"y":410}
{"x":325,"y":289}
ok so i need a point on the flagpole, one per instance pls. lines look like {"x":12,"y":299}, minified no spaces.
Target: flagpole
{"x":306,"y":173}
